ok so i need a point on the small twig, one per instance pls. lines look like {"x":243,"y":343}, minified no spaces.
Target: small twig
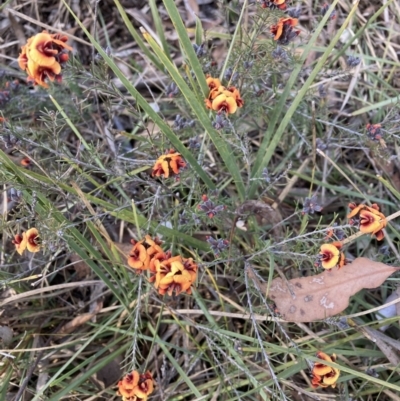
{"x":291,"y":183}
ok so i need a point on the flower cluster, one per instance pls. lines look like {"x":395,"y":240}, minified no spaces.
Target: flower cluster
{"x":353,"y":61}
{"x":168,"y":164}
{"x":374,"y":132}
{"x":217,"y":245}
{"x":272,"y":4}
{"x":283,"y":31}
{"x":135,"y":386}
{"x":222,"y":99}
{"x":143,"y":252}
{"x":209,"y":207}
{"x":181,"y":123}
{"x":369,"y":218}
{"x":330,"y":256}
{"x":28,"y":240}
{"x":169,"y":273}
{"x":311,"y":205}
{"x":174,"y":274}
{"x":43,"y":56}
{"x":323,"y":375}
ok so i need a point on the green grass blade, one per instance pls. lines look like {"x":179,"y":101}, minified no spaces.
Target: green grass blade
{"x":186,"y":44}
{"x":200,"y":111}
{"x":233,"y":40}
{"x":25,"y":176}
{"x":267,"y":148}
{"x":159,"y":27}
{"x":136,"y":36}
{"x":75,"y":130}
{"x":165,"y":128}
{"x":174,"y":362}
{"x":199,"y":35}
{"x":377,"y":106}
{"x":359,"y":33}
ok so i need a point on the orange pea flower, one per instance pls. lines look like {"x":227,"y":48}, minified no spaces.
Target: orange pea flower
{"x":20,"y":243}
{"x":374,"y":131}
{"x":175,"y":275}
{"x":330,"y":256}
{"x":372,"y":221}
{"x":355,"y":209}
{"x":26,"y":161}
{"x":236,"y":95}
{"x":283,"y":31}
{"x":135,"y":386}
{"x":159,"y":257}
{"x":222,"y":99}
{"x":212,"y":95}
{"x":323,"y":375}
{"x":142,"y":252}
{"x":37,"y":73}
{"x":213,"y":83}
{"x":168,"y":164}
{"x":42,"y":57}
{"x":32,"y":240}
{"x":224,"y":103}
{"x":41,"y":50}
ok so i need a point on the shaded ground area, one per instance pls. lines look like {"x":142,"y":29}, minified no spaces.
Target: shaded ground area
{"x":76,"y":163}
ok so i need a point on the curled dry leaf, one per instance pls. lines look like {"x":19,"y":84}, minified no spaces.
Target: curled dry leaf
{"x":78,"y":321}
{"x":325,"y":295}
{"x":263,"y":213}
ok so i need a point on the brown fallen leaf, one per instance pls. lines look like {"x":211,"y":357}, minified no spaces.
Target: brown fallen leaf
{"x":82,"y":269}
{"x":263,"y":213}
{"x":326,"y":294}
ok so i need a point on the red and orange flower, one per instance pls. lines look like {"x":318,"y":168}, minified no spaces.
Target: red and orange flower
{"x":170,"y":274}
{"x":169,"y":164}
{"x":142,"y":253}
{"x":222,"y":99}
{"x":224,"y":103}
{"x":32,"y":240}
{"x":324,"y":375}
{"x":28,"y":240}
{"x":330,"y":256}
{"x":43,"y":56}
{"x":20,"y":243}
{"x":371,"y":220}
{"x":236,"y":95}
{"x":175,"y":274}
{"x":135,"y":386}
{"x":213,"y":83}
{"x":283,"y":31}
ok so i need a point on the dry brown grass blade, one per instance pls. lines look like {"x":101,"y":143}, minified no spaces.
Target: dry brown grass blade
{"x":386,"y":349}
{"x":307,"y":299}
{"x":48,"y":27}
{"x":23,"y":297}
{"x":78,"y":321}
